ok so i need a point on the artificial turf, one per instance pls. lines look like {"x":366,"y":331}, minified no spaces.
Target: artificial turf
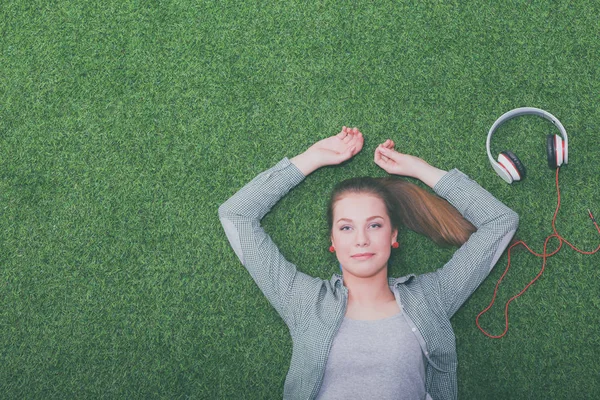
{"x":125,"y":124}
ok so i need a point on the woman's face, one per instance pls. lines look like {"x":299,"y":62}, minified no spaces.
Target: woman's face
{"x":362,"y":234}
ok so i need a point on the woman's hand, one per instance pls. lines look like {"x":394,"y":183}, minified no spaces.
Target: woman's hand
{"x":331,"y":151}
{"x":396,"y":163}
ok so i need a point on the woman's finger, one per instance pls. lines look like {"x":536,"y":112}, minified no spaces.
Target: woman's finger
{"x":377,"y":156}
{"x":388,"y":144}
{"x":357,"y":140}
{"x":391,"y":154}
{"x":380,"y":158}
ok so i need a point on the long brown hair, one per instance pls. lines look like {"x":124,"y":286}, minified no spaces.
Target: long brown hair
{"x":409,"y":205}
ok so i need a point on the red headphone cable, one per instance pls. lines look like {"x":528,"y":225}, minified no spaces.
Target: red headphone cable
{"x":544,"y":256}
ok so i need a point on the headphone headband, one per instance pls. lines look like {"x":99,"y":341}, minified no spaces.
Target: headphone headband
{"x":515,"y":113}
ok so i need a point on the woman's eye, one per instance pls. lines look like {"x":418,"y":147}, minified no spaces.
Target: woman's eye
{"x":345,"y":228}
{"x":376,"y":225}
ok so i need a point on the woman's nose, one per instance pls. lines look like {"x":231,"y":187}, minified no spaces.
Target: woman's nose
{"x":362,"y":238}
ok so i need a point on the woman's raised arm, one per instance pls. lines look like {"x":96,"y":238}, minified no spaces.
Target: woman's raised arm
{"x":240,"y":216}
{"x":495,"y":225}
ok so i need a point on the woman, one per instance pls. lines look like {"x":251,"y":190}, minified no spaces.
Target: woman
{"x":361,"y":335}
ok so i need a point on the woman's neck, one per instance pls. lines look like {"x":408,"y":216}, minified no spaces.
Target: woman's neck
{"x":368,"y":292}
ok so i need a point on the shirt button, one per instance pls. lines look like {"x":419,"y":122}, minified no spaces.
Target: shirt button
{"x":414,"y":329}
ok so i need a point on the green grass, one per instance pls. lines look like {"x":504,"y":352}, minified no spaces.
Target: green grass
{"x":125,"y":124}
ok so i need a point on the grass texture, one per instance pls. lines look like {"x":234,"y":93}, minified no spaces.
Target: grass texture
{"x":125,"y":124}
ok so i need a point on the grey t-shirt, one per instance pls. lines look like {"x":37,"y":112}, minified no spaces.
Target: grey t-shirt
{"x":379,"y":359}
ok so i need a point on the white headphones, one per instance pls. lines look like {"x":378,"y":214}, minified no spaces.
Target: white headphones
{"x":509,"y":167}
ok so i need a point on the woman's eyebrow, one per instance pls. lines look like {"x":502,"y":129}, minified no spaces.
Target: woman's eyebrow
{"x":349,"y":220}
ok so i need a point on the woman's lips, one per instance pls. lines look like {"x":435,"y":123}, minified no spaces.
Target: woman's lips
{"x":363,"y":256}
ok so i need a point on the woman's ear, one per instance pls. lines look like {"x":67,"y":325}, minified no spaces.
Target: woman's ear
{"x":394,"y":235}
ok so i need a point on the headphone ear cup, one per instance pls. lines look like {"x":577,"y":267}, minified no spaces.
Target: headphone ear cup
{"x":551,"y":151}
{"x":555,"y":151}
{"x":512,"y":164}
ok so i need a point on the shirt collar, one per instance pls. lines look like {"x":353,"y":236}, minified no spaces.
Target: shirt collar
{"x":337,"y":280}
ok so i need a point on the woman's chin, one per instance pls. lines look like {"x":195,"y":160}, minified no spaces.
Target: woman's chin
{"x":363,"y":270}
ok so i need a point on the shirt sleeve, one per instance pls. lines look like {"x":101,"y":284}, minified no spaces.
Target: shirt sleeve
{"x":240,"y":216}
{"x":472,"y":262}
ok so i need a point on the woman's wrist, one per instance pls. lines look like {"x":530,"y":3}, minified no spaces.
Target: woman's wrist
{"x":429,"y":175}
{"x":305,"y":163}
